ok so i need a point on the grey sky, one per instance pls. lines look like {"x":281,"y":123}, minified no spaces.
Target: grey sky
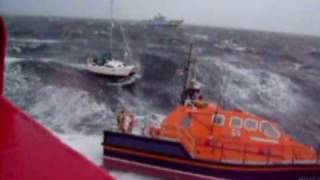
{"x":295,"y":16}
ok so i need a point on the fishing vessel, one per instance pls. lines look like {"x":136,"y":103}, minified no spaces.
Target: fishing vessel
{"x":202,"y":140}
{"x":161,"y":21}
{"x":106,"y":64}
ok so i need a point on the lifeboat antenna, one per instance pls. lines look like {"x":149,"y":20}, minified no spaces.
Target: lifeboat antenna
{"x":190,"y":80}
{"x":186,"y":75}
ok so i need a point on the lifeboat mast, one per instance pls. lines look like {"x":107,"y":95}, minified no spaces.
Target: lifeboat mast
{"x":186,"y":75}
{"x":190,"y":75}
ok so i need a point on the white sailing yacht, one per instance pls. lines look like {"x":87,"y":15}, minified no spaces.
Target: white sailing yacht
{"x":106,"y":64}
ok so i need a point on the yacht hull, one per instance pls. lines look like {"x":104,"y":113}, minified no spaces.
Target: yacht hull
{"x":116,"y":72}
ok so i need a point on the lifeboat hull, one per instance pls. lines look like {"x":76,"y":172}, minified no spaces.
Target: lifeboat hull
{"x":169,"y":159}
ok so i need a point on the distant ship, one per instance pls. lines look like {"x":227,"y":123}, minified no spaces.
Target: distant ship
{"x":161,"y":21}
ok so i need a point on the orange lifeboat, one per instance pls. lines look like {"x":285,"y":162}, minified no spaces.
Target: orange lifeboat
{"x":236,"y":137}
{"x":210,"y":142}
{"x":200,"y":140}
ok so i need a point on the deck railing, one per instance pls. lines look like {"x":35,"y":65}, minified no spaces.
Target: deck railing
{"x":266,"y":154}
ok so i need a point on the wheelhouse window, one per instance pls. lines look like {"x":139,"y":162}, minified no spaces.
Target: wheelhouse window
{"x":251,"y":124}
{"x":236,"y":122}
{"x":186,"y":122}
{"x":269,"y":130}
{"x":218,"y":119}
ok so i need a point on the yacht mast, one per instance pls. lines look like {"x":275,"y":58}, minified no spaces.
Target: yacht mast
{"x":126,"y":42}
{"x":111,"y":19}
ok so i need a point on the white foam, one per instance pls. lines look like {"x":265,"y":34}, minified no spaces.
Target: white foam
{"x":230,"y":45}
{"x":64,"y":108}
{"x":72,"y":110}
{"x":90,"y":146}
{"x":271,"y":89}
{"x":297,"y":66}
{"x":16,"y":49}
{"x":34,"y":40}
{"x":68,"y":110}
{"x":10,"y":60}
{"x":244,"y":87}
{"x":201,"y":36}
{"x":121,"y":175}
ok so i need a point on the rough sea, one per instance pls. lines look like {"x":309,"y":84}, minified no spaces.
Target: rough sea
{"x":274,"y":75}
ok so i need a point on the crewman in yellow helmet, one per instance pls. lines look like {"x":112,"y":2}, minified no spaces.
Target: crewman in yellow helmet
{"x":200,"y":102}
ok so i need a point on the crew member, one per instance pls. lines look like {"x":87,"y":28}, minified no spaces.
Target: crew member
{"x":132,"y":123}
{"x":200,"y":103}
{"x":124,"y":125}
{"x":192,"y":93}
{"x":121,"y":121}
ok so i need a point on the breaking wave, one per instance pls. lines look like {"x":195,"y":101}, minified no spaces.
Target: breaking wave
{"x":69,"y":110}
{"x":244,"y":87}
{"x":254,"y":89}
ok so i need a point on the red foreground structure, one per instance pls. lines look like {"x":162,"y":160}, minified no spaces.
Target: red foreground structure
{"x":30,"y":151}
